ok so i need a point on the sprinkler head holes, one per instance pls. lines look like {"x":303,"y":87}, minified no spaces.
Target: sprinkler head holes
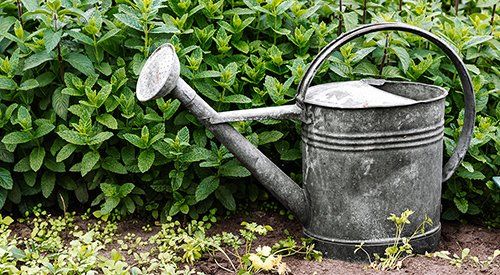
{"x":159,"y":75}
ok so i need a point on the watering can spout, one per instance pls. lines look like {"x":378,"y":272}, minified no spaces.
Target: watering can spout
{"x":160,"y":77}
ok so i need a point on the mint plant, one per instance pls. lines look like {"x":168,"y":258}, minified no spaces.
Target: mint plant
{"x":70,"y":122}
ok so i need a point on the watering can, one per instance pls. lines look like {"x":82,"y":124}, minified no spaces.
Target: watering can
{"x":369,"y":148}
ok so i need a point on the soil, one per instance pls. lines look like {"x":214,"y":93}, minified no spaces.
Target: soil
{"x":455,"y":236}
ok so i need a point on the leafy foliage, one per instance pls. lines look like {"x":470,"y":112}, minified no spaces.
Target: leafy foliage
{"x":70,"y":125}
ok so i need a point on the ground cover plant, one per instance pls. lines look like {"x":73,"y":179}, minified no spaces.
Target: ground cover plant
{"x":40,"y":243}
{"x":72,"y":132}
{"x":75,"y":244}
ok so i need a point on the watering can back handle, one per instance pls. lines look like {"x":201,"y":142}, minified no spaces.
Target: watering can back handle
{"x":469,"y":116}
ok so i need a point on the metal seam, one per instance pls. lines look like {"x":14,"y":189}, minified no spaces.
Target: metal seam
{"x":371,"y":147}
{"x":313,"y":131}
{"x":370,"y":242}
{"x":332,"y":139}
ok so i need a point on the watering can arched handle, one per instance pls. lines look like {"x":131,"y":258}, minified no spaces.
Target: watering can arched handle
{"x":469,"y":116}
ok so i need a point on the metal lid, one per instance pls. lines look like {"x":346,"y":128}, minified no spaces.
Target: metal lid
{"x":357,"y":94}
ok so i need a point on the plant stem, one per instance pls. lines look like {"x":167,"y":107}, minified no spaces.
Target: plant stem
{"x":339,"y":30}
{"x":456,"y":6}
{"x":364,"y":11}
{"x":59,"y":55}
{"x":382,"y":64}
{"x":400,"y":6}
{"x":227,"y":257}
{"x":20,"y":12}
{"x":492,"y":21}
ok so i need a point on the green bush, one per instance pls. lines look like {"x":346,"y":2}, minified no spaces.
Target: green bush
{"x":73,"y":132}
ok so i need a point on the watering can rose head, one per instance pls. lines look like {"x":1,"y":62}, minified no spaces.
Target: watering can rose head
{"x":369,"y":148}
{"x":159,"y":75}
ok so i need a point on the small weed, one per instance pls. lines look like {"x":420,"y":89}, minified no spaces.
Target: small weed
{"x":465,"y":256}
{"x":395,"y":254}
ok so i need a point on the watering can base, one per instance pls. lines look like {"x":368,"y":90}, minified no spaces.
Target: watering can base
{"x":344,"y":250}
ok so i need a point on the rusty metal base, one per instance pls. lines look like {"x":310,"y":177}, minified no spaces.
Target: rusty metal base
{"x":344,"y":250}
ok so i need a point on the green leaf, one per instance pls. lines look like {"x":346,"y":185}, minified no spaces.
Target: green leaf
{"x":362,"y":53}
{"x":476,"y":40}
{"x":43,"y":130}
{"x":89,"y":160}
{"x":350,"y":20}
{"x":29,"y":84}
{"x":81,"y":37}
{"x":108,"y":35}
{"x":206,"y":187}
{"x":129,"y":204}
{"x":269,"y":136}
{"x":184,"y":209}
{"x":108,"y":121}
{"x":81,"y":62}
{"x":60,"y":103}
{"x":183,"y":134}
{"x":110,"y":204}
{"x":3,"y":197}
{"x":65,"y":152}
{"x":23,"y":165}
{"x":51,"y":39}
{"x":72,"y":137}
{"x":462,"y":204}
{"x":5,"y":156}
{"x":112,"y":165}
{"x":55,"y":166}
{"x":45,"y":79}
{"x":146,"y":159}
{"x":225,"y":197}
{"x":292,"y":154}
{"x":476,"y":175}
{"x":196,"y":154}
{"x":233,"y":169}
{"x":16,"y":138}
{"x":129,"y":21}
{"x":391,"y":72}
{"x":7,"y":84}
{"x":100,"y":138}
{"x":48,"y":182}
{"x":176,"y":179}
{"x":403,"y":57}
{"x":135,"y":140}
{"x":6,"y":181}
{"x":125,"y":189}
{"x":109,"y":190}
{"x":36,"y":59}
{"x":236,"y":99}
{"x":36,"y":158}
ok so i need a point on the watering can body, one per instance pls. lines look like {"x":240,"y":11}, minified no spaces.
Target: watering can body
{"x":370,"y":148}
{"x":361,"y":163}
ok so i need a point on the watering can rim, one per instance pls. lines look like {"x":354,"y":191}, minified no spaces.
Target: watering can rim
{"x":373,"y":82}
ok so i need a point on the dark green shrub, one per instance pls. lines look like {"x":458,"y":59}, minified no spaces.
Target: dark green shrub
{"x":73,"y":133}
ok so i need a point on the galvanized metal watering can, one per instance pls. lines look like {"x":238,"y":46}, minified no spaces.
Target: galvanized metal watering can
{"x":369,"y":148}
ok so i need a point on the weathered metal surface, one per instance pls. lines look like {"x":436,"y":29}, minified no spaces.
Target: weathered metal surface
{"x":360,"y":165}
{"x":362,"y":159}
{"x":353,"y":95}
{"x":261,"y":167}
{"x":469,"y":116}
{"x":279,"y":112}
{"x":159,"y":74}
